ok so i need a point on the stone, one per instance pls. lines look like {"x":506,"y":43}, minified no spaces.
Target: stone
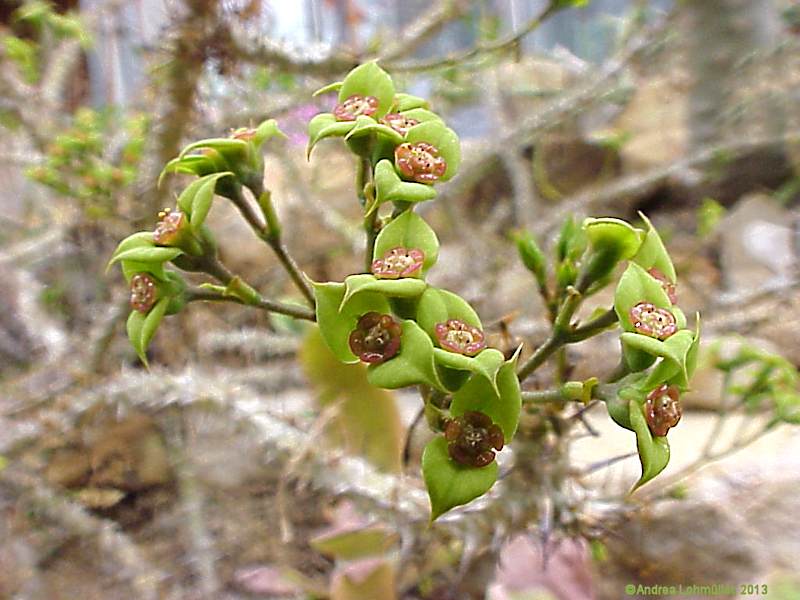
{"x":757,"y":245}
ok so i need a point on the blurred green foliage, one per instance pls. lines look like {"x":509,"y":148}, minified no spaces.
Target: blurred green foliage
{"x":91,"y":160}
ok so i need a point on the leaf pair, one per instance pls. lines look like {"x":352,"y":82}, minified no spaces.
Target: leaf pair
{"x":449,"y":483}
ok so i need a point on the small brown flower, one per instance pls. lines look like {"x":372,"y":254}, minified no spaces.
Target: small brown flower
{"x":144,"y":292}
{"x":376,"y":338}
{"x":420,"y":162}
{"x":400,"y":123}
{"x":472,"y":439}
{"x":456,"y":336}
{"x":398,"y":262}
{"x":354,"y":107}
{"x":170,"y":228}
{"x":652,"y":321}
{"x":666,"y":284}
{"x":662,"y":409}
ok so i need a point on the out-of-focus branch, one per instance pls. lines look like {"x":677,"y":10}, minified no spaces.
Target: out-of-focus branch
{"x":475,"y":167}
{"x":176,"y":98}
{"x":638,"y":185}
{"x":459,"y":58}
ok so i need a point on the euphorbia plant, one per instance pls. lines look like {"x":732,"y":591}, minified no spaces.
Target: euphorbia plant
{"x":407,"y":331}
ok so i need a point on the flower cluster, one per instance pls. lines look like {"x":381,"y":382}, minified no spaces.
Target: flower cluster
{"x":408,"y":146}
{"x":404,"y":330}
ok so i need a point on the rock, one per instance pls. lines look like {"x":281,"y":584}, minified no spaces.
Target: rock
{"x":688,"y":541}
{"x":655,"y":119}
{"x":757,"y":246}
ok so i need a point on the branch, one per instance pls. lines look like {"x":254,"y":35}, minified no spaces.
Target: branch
{"x":459,"y":58}
{"x":296,"y":312}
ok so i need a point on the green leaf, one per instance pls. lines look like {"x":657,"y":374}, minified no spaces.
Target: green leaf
{"x":325,"y":125}
{"x":694,"y":350}
{"x":369,"y":80}
{"x":367,"y":422}
{"x":230,"y":148}
{"x":350,"y":544}
{"x":132,"y":267}
{"x":144,"y":254}
{"x":674,"y":350}
{"x":445,"y":140}
{"x":327,"y":89}
{"x":390,"y":188}
{"x":449,"y":483}
{"x":408,"y":230}
{"x":532,"y":256}
{"x":134,"y":327}
{"x":394,"y":288}
{"x":486,"y":363}
{"x":412,"y":365}
{"x":201,"y":203}
{"x":502,"y":404}
{"x":421,"y":114}
{"x":141,"y":239}
{"x":367,"y":125}
{"x":265,"y":131}
{"x":653,"y":253}
{"x":653,"y":451}
{"x":610,"y":241}
{"x":637,"y":285}
{"x":335,"y":326}
{"x":404,"y":102}
{"x":437,"y":306}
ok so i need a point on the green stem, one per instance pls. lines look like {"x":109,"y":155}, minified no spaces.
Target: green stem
{"x":297,"y":312}
{"x":544,"y":396}
{"x":270,"y":232}
{"x":365,"y":198}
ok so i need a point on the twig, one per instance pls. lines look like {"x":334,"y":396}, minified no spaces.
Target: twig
{"x":297,"y":312}
{"x":459,"y":58}
{"x":270,"y":233}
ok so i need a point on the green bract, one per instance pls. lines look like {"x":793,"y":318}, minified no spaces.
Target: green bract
{"x":390,"y":188}
{"x":436,"y":133}
{"x":141,"y":327}
{"x":635,"y":286}
{"x":449,"y":483}
{"x":336,"y":326}
{"x":610,"y":241}
{"x":653,"y":451}
{"x":369,"y":80}
{"x":438,"y":306}
{"x":357,"y":285}
{"x":501,"y":402}
{"x":653,"y":254}
{"x":404,"y":102}
{"x":408,"y":230}
{"x":413,"y":365}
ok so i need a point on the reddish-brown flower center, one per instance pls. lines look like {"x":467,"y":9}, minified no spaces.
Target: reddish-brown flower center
{"x":652,"y":321}
{"x":420,"y":162}
{"x":662,"y":409}
{"x":376,"y":338}
{"x":400,"y":123}
{"x":398,"y":262}
{"x":457,"y":336}
{"x":169,"y":228}
{"x":143,"y":292}
{"x":472,"y":439}
{"x":668,"y":286}
{"x":354,"y":107}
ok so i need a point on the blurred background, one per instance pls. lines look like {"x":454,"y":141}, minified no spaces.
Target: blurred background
{"x":247,"y":463}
